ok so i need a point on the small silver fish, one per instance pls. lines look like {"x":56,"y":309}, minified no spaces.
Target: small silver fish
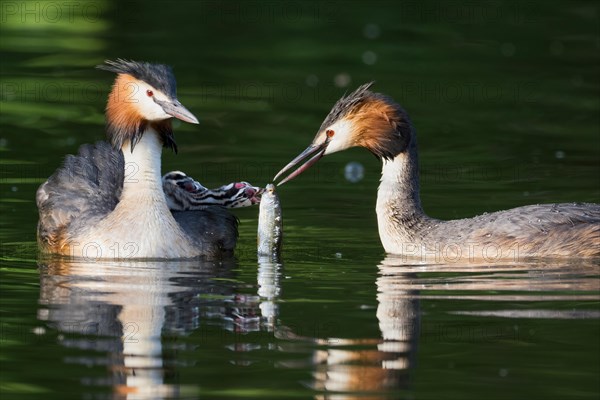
{"x":270,"y":224}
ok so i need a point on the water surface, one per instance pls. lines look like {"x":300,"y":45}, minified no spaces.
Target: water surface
{"x":504,"y":96}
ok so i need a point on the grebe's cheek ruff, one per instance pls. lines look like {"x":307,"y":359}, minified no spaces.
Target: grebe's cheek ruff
{"x":376,"y":122}
{"x":146,"y":100}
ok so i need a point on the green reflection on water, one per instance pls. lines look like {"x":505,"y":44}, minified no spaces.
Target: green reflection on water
{"x":504,"y":96}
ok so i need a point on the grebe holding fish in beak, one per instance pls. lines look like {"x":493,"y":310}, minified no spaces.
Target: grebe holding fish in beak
{"x":377,"y":123}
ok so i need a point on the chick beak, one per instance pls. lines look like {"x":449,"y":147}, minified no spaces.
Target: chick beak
{"x":175,"y":109}
{"x":314,"y":151}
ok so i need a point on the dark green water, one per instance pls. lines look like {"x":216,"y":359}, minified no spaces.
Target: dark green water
{"x":505,"y":98}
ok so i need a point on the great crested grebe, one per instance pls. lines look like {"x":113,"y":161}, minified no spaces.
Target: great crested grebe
{"x":108,"y":200}
{"x":376,"y":122}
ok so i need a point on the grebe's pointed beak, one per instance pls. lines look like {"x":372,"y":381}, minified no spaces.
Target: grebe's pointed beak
{"x":175,"y":109}
{"x":314,"y":151}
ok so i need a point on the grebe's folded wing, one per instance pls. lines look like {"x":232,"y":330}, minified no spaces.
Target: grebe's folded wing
{"x":213,"y":229}
{"x":541,"y":229}
{"x":85,"y":188}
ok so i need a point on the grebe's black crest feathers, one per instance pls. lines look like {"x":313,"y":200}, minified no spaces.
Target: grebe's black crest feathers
{"x":347,"y":103}
{"x":159,"y":76}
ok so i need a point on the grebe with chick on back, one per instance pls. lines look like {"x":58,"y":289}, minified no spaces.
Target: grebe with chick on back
{"x":108,"y":200}
{"x":376,"y":122}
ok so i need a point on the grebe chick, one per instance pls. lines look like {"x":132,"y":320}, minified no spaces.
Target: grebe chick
{"x":107,"y":201}
{"x":376,"y":122}
{"x":184,"y":193}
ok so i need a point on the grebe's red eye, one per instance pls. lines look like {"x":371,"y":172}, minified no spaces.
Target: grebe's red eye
{"x":150,"y":93}
{"x":329,"y":133}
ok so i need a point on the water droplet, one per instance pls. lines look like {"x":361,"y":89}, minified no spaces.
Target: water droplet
{"x":503,"y":372}
{"x":559,"y":154}
{"x":338,"y":255}
{"x":371,"y":31}
{"x":14,"y":189}
{"x":342,"y":80}
{"x":354,"y":172}
{"x":39,"y":330}
{"x":369,"y":57}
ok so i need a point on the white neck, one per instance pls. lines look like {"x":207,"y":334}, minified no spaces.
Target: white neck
{"x":143,"y":170}
{"x":399,"y":210}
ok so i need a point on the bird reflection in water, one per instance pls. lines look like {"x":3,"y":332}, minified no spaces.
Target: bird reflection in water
{"x":364,"y":367}
{"x":347,"y":368}
{"x":125,"y":309}
{"x":127,"y":313}
{"x":376,"y":367}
